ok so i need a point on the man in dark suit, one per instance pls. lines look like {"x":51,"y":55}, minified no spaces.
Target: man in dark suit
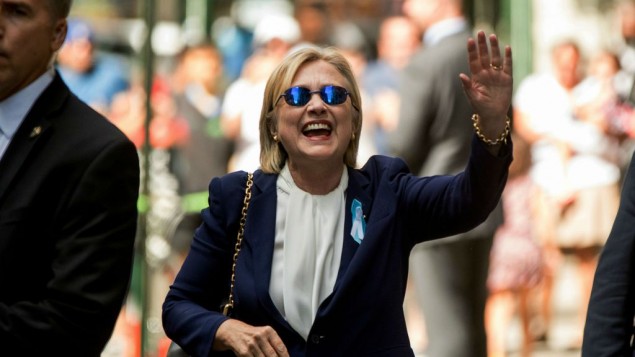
{"x":432,"y":136}
{"x":69,"y":183}
{"x":206,"y":153}
{"x":609,"y":323}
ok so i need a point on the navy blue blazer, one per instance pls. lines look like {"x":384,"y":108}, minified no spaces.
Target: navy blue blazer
{"x":609,"y":324}
{"x":363,"y":316}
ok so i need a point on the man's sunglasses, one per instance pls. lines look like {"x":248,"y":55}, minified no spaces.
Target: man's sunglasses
{"x":300,"y":96}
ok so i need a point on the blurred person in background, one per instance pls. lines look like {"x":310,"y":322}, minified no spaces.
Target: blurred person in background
{"x":274,"y":36}
{"x":598,"y":101}
{"x":351,"y":42}
{"x":574,"y":208}
{"x":168,"y":129}
{"x":516,"y":265}
{"x":128,"y":111}
{"x":68,"y":197}
{"x":585,"y":222}
{"x":198,"y":94}
{"x":598,"y":96}
{"x":314,"y":21}
{"x":432,"y":136}
{"x":397,"y":41}
{"x":543,"y":110}
{"x":197,"y":85}
{"x":233,"y":39}
{"x":93,"y":76}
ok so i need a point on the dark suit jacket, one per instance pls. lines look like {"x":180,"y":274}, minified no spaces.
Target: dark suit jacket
{"x":609,"y":324}
{"x":69,"y":182}
{"x":364,"y":314}
{"x":434,"y":130}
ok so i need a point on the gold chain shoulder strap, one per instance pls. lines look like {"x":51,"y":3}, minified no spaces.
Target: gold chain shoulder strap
{"x":228,"y":307}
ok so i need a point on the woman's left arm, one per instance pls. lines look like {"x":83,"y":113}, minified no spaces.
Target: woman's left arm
{"x":191,"y":311}
{"x":444,"y":205}
{"x":489,"y":89}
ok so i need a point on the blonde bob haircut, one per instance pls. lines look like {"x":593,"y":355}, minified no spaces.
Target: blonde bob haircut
{"x":272,"y":153}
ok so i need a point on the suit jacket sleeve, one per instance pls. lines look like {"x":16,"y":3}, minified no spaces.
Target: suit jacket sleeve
{"x":443,"y":205}
{"x":609,"y":324}
{"x":191,"y":311}
{"x":92,"y":259}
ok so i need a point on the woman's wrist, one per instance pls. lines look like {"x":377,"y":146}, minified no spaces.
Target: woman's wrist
{"x":500,"y":139}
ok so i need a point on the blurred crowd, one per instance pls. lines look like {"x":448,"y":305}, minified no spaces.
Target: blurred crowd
{"x":574,"y":126}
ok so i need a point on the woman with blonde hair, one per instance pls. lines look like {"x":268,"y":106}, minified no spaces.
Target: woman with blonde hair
{"x":323,"y":263}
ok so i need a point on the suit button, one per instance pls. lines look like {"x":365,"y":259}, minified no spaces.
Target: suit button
{"x":316,"y":338}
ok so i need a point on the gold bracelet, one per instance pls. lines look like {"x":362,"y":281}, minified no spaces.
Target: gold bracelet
{"x":501,"y":139}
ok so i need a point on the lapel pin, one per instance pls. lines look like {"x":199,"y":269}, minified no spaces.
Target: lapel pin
{"x":359,"y":222}
{"x":35,"y":132}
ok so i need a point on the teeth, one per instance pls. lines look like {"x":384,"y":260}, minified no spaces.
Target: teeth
{"x":317,"y":126}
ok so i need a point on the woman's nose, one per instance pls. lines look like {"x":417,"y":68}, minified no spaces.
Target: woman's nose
{"x":316,"y":104}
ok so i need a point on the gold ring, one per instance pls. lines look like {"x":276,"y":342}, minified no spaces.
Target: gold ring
{"x":495,"y":67}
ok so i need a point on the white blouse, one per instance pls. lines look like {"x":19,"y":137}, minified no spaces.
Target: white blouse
{"x":307,"y":251}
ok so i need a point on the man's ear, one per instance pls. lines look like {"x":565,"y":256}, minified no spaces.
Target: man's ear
{"x":59,"y":34}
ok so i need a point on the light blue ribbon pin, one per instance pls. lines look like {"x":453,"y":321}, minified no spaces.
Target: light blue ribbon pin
{"x":359,"y":225}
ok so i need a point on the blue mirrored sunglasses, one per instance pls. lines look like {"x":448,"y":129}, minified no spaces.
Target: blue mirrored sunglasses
{"x":300,"y":96}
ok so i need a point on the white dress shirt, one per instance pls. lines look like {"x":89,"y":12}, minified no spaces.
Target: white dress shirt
{"x":14,"y":109}
{"x":443,"y":29}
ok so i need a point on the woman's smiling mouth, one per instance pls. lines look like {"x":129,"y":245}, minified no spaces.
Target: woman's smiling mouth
{"x":317,"y":129}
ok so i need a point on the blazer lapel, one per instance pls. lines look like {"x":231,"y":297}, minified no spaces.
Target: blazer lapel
{"x":357,"y":186}
{"x":31,"y":132}
{"x":260,"y":226}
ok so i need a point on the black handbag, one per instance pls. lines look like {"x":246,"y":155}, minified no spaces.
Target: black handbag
{"x":174,"y":350}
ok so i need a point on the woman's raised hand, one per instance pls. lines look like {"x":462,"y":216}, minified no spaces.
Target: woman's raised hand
{"x":489,"y":88}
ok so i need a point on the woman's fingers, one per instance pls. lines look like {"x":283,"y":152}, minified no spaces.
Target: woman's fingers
{"x":483,"y":51}
{"x":508,"y":60}
{"x":249,"y":341}
{"x":271,"y":344}
{"x":278,"y":346}
{"x":495,"y":60}
{"x":265,"y":342}
{"x":473,"y":57}
{"x":484,"y":57}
